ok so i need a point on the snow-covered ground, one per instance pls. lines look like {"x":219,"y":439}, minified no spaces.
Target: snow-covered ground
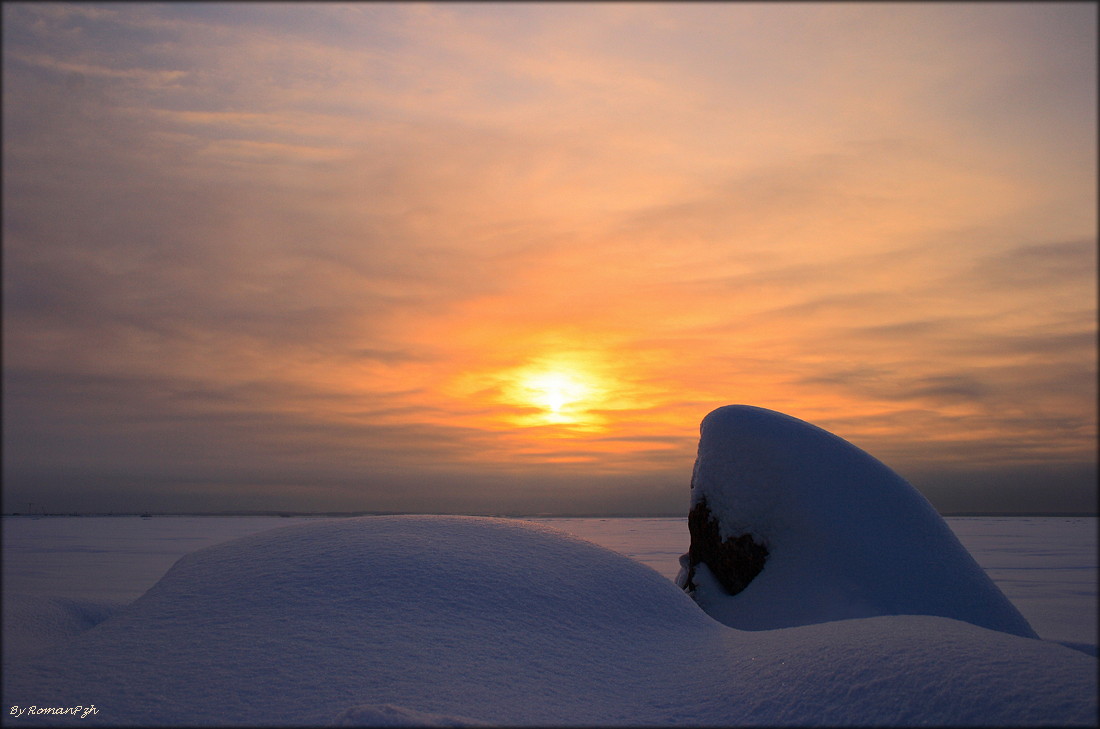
{"x":64,"y":574}
{"x":434,"y":620}
{"x":1047,"y":566}
{"x":868,"y":610}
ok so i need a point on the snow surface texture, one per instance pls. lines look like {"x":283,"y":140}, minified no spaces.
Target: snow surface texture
{"x":34,"y":624}
{"x":460,"y":621}
{"x":846,"y":536}
{"x":1047,"y":566}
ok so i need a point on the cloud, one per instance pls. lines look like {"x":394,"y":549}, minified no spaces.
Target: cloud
{"x":1049,"y":265}
{"x":291,"y":244}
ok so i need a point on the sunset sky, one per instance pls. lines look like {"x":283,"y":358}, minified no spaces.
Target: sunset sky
{"x":504,"y":257}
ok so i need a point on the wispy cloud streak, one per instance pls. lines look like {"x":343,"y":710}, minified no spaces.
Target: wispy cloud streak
{"x":276,"y":245}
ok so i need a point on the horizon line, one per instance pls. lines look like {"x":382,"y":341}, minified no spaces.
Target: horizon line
{"x":505,"y":515}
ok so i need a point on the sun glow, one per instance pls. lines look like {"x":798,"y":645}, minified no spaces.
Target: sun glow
{"x":556,"y":390}
{"x":558,"y":393}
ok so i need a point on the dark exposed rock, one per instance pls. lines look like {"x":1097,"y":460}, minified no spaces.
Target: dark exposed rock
{"x":734,"y":561}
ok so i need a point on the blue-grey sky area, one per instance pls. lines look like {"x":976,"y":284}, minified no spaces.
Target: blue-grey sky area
{"x":504,"y":257}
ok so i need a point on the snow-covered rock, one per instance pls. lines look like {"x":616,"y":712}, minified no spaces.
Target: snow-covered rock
{"x":460,"y":621}
{"x":845,"y":536}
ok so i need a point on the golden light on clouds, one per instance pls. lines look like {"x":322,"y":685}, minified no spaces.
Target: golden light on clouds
{"x":435,"y":245}
{"x":564,"y":394}
{"x":569,"y":390}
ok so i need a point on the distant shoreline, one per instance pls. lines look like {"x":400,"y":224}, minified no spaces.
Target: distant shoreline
{"x":339,"y":514}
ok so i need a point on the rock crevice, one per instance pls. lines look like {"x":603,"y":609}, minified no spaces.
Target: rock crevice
{"x":733,"y":561}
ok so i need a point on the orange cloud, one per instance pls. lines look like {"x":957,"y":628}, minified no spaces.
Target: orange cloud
{"x":544,"y":241}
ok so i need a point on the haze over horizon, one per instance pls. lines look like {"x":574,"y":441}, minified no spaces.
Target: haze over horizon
{"x":504,"y":257}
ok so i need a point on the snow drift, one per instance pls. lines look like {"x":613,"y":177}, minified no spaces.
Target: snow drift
{"x":845,"y":536}
{"x":34,"y":623}
{"x":460,"y":621}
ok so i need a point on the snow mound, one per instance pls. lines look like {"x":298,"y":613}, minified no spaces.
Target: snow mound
{"x":35,"y":624}
{"x":389,"y":715}
{"x":846,"y":536}
{"x":461,"y":620}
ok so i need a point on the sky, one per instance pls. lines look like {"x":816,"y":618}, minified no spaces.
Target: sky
{"x":504,"y":257}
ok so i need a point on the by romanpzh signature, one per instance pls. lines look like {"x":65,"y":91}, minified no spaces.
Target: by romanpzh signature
{"x":80,"y":711}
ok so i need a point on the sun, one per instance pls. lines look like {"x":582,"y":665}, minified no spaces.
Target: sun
{"x":563,"y":394}
{"x":558,"y":390}
{"x":558,"y":393}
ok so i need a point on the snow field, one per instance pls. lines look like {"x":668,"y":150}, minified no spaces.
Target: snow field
{"x":459,"y":620}
{"x":868,"y":611}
